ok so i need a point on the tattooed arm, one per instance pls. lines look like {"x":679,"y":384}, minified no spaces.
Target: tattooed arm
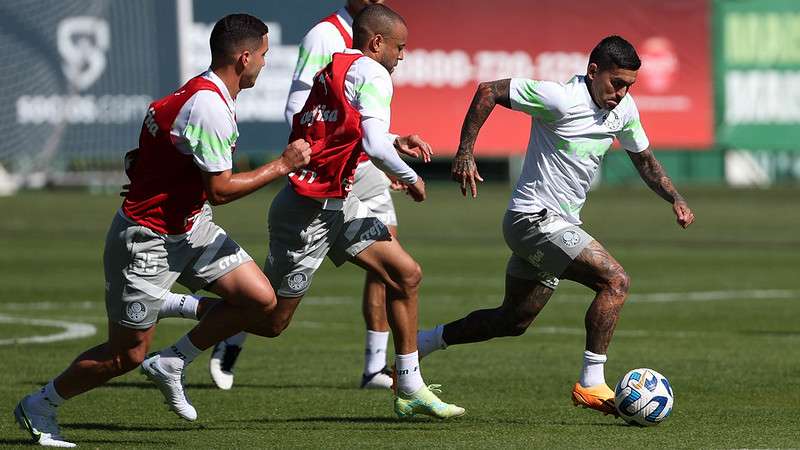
{"x":488,"y":95}
{"x":656,"y":178}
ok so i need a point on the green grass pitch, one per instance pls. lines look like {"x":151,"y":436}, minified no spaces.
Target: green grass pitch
{"x":714,"y":308}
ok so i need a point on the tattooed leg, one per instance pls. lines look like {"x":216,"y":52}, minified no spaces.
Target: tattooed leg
{"x":522,"y":303}
{"x":595,"y":268}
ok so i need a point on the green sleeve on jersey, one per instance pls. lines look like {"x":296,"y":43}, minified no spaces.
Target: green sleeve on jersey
{"x":530,"y":102}
{"x":570,"y":207}
{"x":372,"y":97}
{"x":583,"y":149}
{"x":310,"y":61}
{"x":207,"y":145}
{"x":633,"y":131}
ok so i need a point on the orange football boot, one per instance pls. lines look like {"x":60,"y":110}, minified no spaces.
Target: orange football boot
{"x":599,"y":397}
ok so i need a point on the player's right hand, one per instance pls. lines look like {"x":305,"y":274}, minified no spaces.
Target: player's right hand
{"x":683,"y":213}
{"x":465,"y":172}
{"x":417,"y":190}
{"x":395,"y":184}
{"x":297,"y":154}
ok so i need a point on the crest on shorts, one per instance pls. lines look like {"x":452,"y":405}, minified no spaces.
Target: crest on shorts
{"x":297,"y":281}
{"x":571,"y":238}
{"x":136,"y":311}
{"x":612,"y":121}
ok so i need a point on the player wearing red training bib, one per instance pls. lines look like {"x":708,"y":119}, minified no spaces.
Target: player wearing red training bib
{"x":347,"y":114}
{"x":166,"y":191}
{"x":164,"y":233}
{"x":332,"y":126}
{"x":371,"y":186}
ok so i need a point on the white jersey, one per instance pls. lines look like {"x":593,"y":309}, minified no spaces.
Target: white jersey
{"x":569,"y":136}
{"x":316,"y":51}
{"x":368,"y":87}
{"x":206,"y":127}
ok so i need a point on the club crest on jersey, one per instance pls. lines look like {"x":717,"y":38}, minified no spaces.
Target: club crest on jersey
{"x":297,"y":281}
{"x":319,"y":113}
{"x":571,"y":238}
{"x":612,"y":121}
{"x":136,"y":311}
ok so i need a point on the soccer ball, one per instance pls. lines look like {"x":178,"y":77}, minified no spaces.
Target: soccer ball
{"x":643,"y":397}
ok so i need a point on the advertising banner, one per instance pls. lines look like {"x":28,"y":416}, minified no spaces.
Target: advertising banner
{"x":758,"y":74}
{"x":77,"y":76}
{"x":455,"y":44}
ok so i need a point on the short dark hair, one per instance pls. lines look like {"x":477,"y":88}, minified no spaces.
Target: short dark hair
{"x":372,"y":20}
{"x":615,"y":51}
{"x":234,"y":32}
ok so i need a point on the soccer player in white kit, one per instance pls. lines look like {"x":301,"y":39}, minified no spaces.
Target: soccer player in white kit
{"x":331,"y":35}
{"x":573,"y":125}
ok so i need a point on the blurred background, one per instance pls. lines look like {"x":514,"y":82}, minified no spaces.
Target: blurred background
{"x":718,"y":91}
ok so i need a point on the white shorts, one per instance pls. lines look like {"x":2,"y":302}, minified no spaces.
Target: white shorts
{"x":544,"y":244}
{"x":141,"y":265}
{"x":303,"y":230}
{"x":371,"y":186}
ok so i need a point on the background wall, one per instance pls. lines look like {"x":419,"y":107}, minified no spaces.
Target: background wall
{"x":718,"y":92}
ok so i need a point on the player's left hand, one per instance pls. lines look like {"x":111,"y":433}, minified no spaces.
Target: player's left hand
{"x":683,"y":213}
{"x":413,"y":146}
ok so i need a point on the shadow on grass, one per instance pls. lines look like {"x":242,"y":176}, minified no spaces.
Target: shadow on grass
{"x":332,"y":419}
{"x":618,"y":424}
{"x":28,"y":442}
{"x":95,"y":426}
{"x":125,"y":441}
{"x":16,"y":441}
{"x":419,"y":423}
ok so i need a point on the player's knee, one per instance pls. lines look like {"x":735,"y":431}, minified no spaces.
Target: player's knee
{"x":517,"y":328}
{"x":619,"y":284}
{"x":262,"y":303}
{"x":517,"y":322}
{"x":270,"y":329}
{"x":411,"y":277}
{"x":128,"y":360}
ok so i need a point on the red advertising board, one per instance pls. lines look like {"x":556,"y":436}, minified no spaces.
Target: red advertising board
{"x":455,"y":44}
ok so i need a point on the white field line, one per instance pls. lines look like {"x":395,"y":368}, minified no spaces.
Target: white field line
{"x":72,"y":330}
{"x":655,"y":297}
{"x":75,"y":330}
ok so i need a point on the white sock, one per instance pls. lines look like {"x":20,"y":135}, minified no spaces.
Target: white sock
{"x":409,"y":377}
{"x":375,"y":351}
{"x":179,"y":305}
{"x":175,"y":357}
{"x":46,"y":400}
{"x":592,"y":373}
{"x":428,"y":341}
{"x":237,"y":339}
